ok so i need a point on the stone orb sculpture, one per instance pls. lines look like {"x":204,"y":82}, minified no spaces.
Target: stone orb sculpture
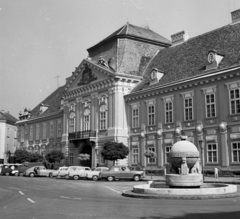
{"x":185,"y":168}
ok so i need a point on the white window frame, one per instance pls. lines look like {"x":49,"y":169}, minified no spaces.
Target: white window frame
{"x":103,"y":117}
{"x":135,"y":155}
{"x":86,"y":119}
{"x":135,"y":114}
{"x":152,"y":160}
{"x":233,"y":86}
{"x":211,"y":106}
{"x":168,"y":113}
{"x":44,"y":135}
{"x":188,"y":105}
{"x":210,"y":159}
{"x":71,"y":125}
{"x":151,"y":111}
{"x":167,"y":151}
{"x":237,"y":151}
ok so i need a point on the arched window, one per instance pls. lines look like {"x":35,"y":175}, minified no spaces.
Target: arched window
{"x":103,"y":117}
{"x":86,"y":120}
{"x":72,"y":122}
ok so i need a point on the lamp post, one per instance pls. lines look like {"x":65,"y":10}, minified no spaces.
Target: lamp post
{"x":201,"y":144}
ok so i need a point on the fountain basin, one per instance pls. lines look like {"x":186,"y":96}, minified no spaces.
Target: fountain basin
{"x":191,"y":180}
{"x":206,"y":189}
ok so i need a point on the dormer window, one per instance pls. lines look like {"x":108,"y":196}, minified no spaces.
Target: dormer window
{"x":43,"y":108}
{"x":214,"y":59}
{"x":155,"y":75}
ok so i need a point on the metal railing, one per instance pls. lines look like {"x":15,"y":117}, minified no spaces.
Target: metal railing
{"x":81,"y":135}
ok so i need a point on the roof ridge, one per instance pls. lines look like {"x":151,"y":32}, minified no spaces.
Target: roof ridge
{"x":123,"y":29}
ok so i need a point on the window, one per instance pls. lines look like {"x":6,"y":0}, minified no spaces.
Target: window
{"x":135,"y":118}
{"x":135,"y":152}
{"x":135,"y":114}
{"x":44,"y":131}
{"x":212,"y":153}
{"x":234,"y":101}
{"x":188,"y":109}
{"x":103,"y":117}
{"x":22,"y":134}
{"x":72,"y":122}
{"x":51,"y":135}
{"x":37,"y":132}
{"x":167,"y":151}
{"x":59,"y":129}
{"x":86,"y":120}
{"x":101,"y":159}
{"x":168,"y":112}
{"x":210,"y":105}
{"x":70,"y":158}
{"x":31,"y":133}
{"x":151,"y":160}
{"x":151,"y":115}
{"x":236,"y":152}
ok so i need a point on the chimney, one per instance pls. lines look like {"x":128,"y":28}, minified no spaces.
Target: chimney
{"x":235,"y":16}
{"x":179,"y":37}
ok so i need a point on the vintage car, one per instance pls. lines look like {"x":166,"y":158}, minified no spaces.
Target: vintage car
{"x":37,"y":171}
{"x":122,"y":172}
{"x":63,"y":173}
{"x":10,"y":169}
{"x":94,"y":175}
{"x":80,"y":172}
{"x":54,"y":173}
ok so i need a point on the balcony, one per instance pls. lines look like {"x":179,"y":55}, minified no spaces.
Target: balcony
{"x":81,"y":135}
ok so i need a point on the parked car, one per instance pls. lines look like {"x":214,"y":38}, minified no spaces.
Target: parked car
{"x":94,"y":175}
{"x":63,"y":173}
{"x":37,"y":171}
{"x":10,"y":169}
{"x":54,"y":173}
{"x":79,"y":172}
{"x":121,"y":172}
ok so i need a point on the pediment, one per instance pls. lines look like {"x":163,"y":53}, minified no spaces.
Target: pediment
{"x":86,"y":74}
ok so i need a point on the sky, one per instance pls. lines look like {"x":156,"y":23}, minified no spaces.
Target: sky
{"x":42,"y":41}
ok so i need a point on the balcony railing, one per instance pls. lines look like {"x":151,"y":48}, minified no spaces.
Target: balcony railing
{"x":81,"y":135}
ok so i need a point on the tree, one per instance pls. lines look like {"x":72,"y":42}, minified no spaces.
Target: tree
{"x":83,"y":158}
{"x":22,"y":156}
{"x":54,"y":156}
{"x":35,"y":157}
{"x":151,"y":155}
{"x":114,"y":151}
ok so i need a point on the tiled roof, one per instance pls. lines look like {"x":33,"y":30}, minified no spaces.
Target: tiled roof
{"x":53,"y":101}
{"x":8,"y":117}
{"x":129,"y":30}
{"x":189,"y":59}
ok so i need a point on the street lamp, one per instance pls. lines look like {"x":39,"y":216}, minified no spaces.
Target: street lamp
{"x":201,"y":144}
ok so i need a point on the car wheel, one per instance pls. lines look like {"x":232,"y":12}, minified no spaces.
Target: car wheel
{"x":7,"y":174}
{"x":31,"y":174}
{"x":136,"y":178}
{"x":50,"y":175}
{"x":110,"y":178}
{"x":76,"y":177}
{"x":95,"y":178}
{"x":58,"y":177}
{"x":16,"y":174}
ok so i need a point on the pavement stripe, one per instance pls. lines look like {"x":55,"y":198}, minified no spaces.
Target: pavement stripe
{"x":113,"y":190}
{"x":21,"y":193}
{"x":31,"y":200}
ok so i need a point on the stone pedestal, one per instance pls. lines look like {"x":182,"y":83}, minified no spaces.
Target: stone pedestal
{"x":184,"y":181}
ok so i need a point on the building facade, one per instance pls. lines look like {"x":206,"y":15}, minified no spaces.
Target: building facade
{"x":8,"y":136}
{"x":40,"y":129}
{"x":94,"y":107}
{"x":191,"y":88}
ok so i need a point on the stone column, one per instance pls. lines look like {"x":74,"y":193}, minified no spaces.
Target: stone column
{"x":160,"y":155}
{"x":224,"y":144}
{"x":78,"y":127}
{"x":143,"y":149}
{"x":94,"y":118}
{"x":110,"y":111}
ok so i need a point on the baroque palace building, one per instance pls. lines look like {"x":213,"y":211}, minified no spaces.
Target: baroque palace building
{"x":191,"y":88}
{"x":146,"y":91}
